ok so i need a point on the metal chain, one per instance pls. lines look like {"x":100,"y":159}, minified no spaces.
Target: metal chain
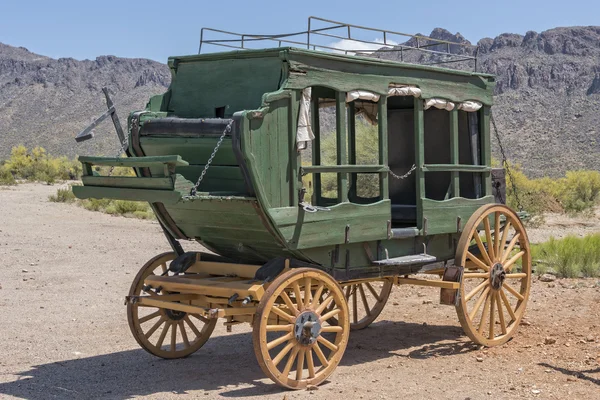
{"x":210,"y":160}
{"x":406,"y":175}
{"x":505,"y":165}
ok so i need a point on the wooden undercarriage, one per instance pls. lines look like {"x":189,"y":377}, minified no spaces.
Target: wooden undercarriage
{"x":301,"y":320}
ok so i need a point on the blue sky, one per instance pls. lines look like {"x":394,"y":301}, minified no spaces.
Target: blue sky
{"x":156,"y":29}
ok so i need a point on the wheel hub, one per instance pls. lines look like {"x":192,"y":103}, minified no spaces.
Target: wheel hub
{"x":175,"y":315}
{"x":307,"y":328}
{"x":497,"y":276}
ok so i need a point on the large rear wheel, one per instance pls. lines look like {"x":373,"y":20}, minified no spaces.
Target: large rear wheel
{"x":494,"y":250}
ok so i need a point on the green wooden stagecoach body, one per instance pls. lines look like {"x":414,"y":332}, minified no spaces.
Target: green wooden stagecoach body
{"x":247,"y":206}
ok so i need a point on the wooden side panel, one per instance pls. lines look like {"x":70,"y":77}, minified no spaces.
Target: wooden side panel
{"x":302,"y":230}
{"x":443,"y":216}
{"x":193,"y":150}
{"x":237,"y":84}
{"x":267,"y":143}
{"x":229,"y":226}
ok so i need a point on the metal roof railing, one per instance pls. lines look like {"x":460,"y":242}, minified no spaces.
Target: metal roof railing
{"x":312,"y":38}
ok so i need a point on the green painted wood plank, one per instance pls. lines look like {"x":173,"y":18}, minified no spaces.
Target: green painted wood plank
{"x":455,"y":168}
{"x":193,"y":150}
{"x":454,"y":152}
{"x":419,"y":126}
{"x":292,"y":215}
{"x":131,"y":182}
{"x":383,"y":146}
{"x":151,"y":196}
{"x":216,"y":217}
{"x":172,"y":160}
{"x":342,"y":151}
{"x":442,"y":216}
{"x":316,"y":148}
{"x":486,"y":147}
{"x":345,"y":169}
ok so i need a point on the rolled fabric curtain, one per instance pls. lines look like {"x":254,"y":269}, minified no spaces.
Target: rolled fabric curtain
{"x":404,"y":90}
{"x":470,"y":106}
{"x":304,"y":133}
{"x":439,"y":104}
{"x":361,"y":94}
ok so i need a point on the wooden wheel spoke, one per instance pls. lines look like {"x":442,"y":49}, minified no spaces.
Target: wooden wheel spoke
{"x":476,"y":275}
{"x":163,"y":267}
{"x":484,"y":316}
{"x":497,"y":234}
{"x":514,"y":292}
{"x":163,"y":334}
{"x":488,"y":237}
{"x":320,"y":355}
{"x":192,"y":326}
{"x":500,"y":314}
{"x":325,"y":303}
{"x":519,"y":275}
{"x":201,"y":318}
{"x":149,"y":317}
{"x":282,"y":314}
{"x":507,"y":305}
{"x":280,"y":328}
{"x":372,"y":290}
{"x":318,"y":293}
{"x":508,"y":265}
{"x":290,"y":362}
{"x":364,"y":300}
{"x":310,"y":363}
{"x":509,"y":248}
{"x":173,"y":337}
{"x":504,"y":236}
{"x":300,"y":364}
{"x":492,"y":314}
{"x":330,"y":314}
{"x":477,"y":261}
{"x":332,"y":328}
{"x":184,"y":336}
{"x":155,"y":327}
{"x":327,"y":343}
{"x":482,"y":248}
{"x":276,"y":342}
{"x":299,"y":303}
{"x":307,"y":292}
{"x":283,"y":353}
{"x":476,"y":290}
{"x":288,"y":302}
{"x":477,"y":305}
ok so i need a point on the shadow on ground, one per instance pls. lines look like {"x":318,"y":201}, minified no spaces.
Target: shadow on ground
{"x":222,"y":365}
{"x":584,"y":375}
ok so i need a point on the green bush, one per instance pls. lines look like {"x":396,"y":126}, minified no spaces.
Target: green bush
{"x":63,"y":195}
{"x":579,"y":190}
{"x":569,"y":257}
{"x":6,"y":177}
{"x":37,"y":165}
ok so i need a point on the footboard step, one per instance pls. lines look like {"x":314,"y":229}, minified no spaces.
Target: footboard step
{"x":407,"y":260}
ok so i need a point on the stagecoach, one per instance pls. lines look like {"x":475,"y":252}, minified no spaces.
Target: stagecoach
{"x":306,"y":245}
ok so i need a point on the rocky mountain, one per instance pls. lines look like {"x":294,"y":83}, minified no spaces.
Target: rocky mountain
{"x":46,"y":102}
{"x":547,"y":105}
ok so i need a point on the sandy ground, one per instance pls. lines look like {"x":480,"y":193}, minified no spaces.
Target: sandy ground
{"x":63,"y":331}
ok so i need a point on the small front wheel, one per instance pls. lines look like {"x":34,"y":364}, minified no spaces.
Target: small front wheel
{"x":163,"y":332}
{"x":295,"y":340}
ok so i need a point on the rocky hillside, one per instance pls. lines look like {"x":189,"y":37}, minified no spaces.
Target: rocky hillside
{"x":547,"y":105}
{"x":46,"y":102}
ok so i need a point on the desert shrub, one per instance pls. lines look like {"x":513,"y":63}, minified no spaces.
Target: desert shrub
{"x":579,"y":190}
{"x":37,"y":165}
{"x":63,"y":195}
{"x":6,"y":177}
{"x":569,"y":257}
